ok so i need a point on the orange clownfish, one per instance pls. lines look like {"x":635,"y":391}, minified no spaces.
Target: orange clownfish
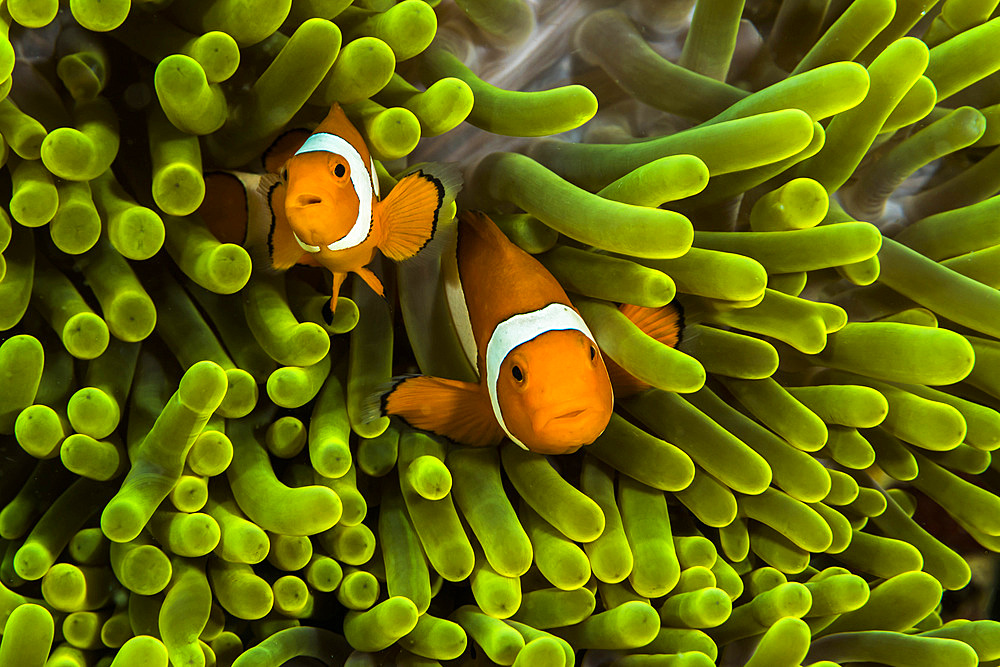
{"x":322,"y":207}
{"x":543,"y":381}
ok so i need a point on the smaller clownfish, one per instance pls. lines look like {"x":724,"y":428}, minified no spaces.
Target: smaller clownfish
{"x":543,"y":381}
{"x":320,"y":205}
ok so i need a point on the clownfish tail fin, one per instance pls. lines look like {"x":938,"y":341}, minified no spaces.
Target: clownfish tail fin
{"x":412,"y":209}
{"x":482,"y":225}
{"x":450,"y":408}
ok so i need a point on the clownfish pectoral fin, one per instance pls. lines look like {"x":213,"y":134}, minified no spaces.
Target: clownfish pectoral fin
{"x":283,"y":251}
{"x":267,"y":183}
{"x":225,"y":209}
{"x":409,"y":214}
{"x":664,"y":324}
{"x":309,"y":259}
{"x":283,"y":148}
{"x":456,"y":410}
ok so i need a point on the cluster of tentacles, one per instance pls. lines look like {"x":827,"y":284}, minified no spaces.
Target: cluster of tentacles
{"x":187,"y":469}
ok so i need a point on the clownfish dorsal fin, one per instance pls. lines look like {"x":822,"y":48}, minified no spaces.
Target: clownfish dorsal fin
{"x":409,"y":213}
{"x":483,"y":226}
{"x":664,"y":324}
{"x":455,"y":294}
{"x":282,"y":148}
{"x":451,"y":408}
{"x":336,"y":122}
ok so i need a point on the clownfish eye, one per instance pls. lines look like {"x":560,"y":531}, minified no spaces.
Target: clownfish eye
{"x":593,"y":352}
{"x":516,"y":372}
{"x":339,"y":171}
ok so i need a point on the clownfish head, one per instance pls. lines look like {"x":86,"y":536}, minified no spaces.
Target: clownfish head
{"x":330,"y":187}
{"x":554,"y":393}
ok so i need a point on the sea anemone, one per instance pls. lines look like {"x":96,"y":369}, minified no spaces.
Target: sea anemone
{"x":189,"y":469}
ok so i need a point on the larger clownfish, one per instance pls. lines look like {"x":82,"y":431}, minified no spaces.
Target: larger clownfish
{"x":320,"y":205}
{"x":543,"y":381}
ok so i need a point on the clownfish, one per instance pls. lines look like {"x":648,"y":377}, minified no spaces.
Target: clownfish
{"x":319,"y":205}
{"x":543,"y":382}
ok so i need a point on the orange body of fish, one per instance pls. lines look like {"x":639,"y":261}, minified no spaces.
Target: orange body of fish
{"x":543,"y":381}
{"x":320,"y":205}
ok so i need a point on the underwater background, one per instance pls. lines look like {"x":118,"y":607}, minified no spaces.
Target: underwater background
{"x":188,"y":471}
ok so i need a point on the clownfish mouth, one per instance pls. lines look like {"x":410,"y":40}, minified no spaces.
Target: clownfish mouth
{"x":564,"y":419}
{"x":308,"y":200}
{"x":562,"y":429}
